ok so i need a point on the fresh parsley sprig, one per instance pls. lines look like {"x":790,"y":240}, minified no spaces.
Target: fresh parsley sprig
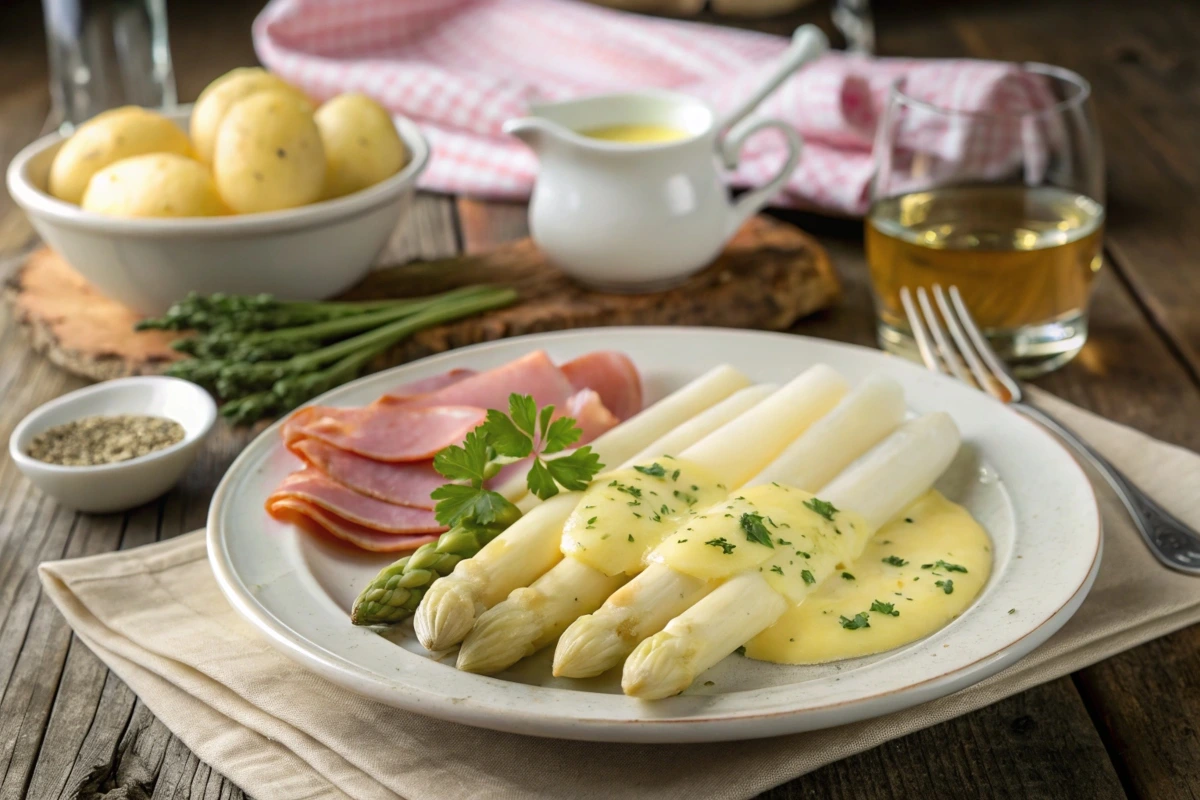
{"x":502,"y":439}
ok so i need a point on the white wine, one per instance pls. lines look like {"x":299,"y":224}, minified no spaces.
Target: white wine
{"x":1022,"y":257}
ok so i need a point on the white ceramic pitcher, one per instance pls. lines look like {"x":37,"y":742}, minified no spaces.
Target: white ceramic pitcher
{"x":644,"y":216}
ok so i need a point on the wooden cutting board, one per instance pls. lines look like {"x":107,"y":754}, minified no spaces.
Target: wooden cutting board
{"x":769,"y":276}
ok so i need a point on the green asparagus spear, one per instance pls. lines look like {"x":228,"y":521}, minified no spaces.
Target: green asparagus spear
{"x":272,"y":387}
{"x":217,"y":312}
{"x":397,"y":590}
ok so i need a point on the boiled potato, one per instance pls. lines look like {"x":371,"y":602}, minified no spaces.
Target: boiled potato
{"x":107,"y":138}
{"x":220,"y":95}
{"x":154,"y":185}
{"x":361,"y":144}
{"x":268,"y":154}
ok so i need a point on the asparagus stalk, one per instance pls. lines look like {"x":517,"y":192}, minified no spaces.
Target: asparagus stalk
{"x":268,"y":345}
{"x":225,"y":312}
{"x":395,"y":592}
{"x":880,"y":486}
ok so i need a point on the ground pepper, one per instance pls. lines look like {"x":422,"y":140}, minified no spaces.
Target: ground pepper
{"x":90,"y":441}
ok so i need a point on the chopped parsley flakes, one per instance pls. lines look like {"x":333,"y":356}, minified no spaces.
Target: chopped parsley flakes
{"x":885,"y":608}
{"x":847,"y":576}
{"x":821,"y":507}
{"x":808,"y":577}
{"x":860,"y":621}
{"x":756,"y":532}
{"x":722,"y":543}
{"x":939,"y":564}
{"x":656,"y":469}
{"x":778,"y":570}
{"x":946,"y":586}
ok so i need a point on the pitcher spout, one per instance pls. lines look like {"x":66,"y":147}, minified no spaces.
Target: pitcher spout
{"x":535,"y":132}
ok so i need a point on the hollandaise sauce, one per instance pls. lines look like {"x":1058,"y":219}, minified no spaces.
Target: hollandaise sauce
{"x":635,"y":134}
{"x":626,"y":513}
{"x":915,"y":575}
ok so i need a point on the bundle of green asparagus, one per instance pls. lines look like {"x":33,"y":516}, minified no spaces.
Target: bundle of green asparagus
{"x":264,"y":356}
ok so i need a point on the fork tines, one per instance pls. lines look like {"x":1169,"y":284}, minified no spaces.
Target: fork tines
{"x":965,"y":344}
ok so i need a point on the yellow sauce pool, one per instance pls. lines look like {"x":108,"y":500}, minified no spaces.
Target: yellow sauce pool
{"x":919,"y":572}
{"x":635,"y":134}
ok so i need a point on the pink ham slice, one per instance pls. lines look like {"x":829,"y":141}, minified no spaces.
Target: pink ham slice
{"x":406,"y":483}
{"x":416,"y":427}
{"x":533,"y":374}
{"x":316,"y":519}
{"x":409,"y":483}
{"x":314,"y":487}
{"x":292,"y":428}
{"x":590,"y":413}
{"x":611,"y":375}
{"x":389,"y":433}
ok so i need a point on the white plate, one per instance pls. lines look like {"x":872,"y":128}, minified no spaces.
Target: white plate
{"x":1025,"y":489}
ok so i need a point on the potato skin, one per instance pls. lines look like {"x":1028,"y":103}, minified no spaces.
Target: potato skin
{"x":154,"y":185}
{"x":107,"y":138}
{"x":219,"y":96}
{"x":361,"y":144}
{"x":269,"y":154}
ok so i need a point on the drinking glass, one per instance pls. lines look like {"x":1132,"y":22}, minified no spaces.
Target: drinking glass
{"x":1007,"y":205}
{"x":107,"y":53}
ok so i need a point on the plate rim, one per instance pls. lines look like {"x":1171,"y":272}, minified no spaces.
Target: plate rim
{"x":727,"y":726}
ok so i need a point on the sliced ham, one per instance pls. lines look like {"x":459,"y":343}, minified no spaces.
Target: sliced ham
{"x":388,"y":432}
{"x":318,"y":520}
{"x":428,"y":385}
{"x":611,"y":375}
{"x":315,"y":487}
{"x":589,"y":412}
{"x":406,"y":483}
{"x":533,"y":374}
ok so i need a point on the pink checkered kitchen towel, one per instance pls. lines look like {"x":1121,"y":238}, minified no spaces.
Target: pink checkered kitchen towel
{"x":460,"y":68}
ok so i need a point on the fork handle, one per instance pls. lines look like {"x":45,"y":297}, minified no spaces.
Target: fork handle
{"x":1170,"y":540}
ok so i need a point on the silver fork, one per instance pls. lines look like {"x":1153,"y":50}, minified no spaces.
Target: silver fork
{"x":1170,"y":540}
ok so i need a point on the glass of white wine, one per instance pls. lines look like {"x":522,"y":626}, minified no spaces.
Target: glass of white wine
{"x":1007,"y":205}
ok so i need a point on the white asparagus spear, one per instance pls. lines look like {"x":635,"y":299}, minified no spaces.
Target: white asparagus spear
{"x":598,"y":642}
{"x":533,"y":617}
{"x":887,"y":480}
{"x":530,"y":546}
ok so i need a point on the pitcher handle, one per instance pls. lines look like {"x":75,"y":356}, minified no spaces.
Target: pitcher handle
{"x":751,"y":202}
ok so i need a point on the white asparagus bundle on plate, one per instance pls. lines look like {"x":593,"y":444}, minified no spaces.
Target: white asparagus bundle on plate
{"x":597,"y":642}
{"x":534,"y":616}
{"x":530,"y":546}
{"x":852,"y":507}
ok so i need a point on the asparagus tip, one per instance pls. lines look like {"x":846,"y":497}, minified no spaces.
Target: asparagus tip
{"x":445,"y":616}
{"x":503,"y":636}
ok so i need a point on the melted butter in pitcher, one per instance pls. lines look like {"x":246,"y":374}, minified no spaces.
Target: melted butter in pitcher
{"x":916,"y":575}
{"x":635,"y":134}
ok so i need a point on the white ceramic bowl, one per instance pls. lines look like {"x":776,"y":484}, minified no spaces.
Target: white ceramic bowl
{"x":307,"y":253}
{"x":125,"y":484}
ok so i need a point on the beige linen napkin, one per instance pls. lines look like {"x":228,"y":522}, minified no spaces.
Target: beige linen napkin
{"x":157,"y":618}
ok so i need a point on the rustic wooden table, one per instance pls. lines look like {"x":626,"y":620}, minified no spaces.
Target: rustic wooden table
{"x":1124,"y":727}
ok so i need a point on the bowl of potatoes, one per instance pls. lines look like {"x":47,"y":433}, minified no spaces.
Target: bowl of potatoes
{"x":254,"y":188}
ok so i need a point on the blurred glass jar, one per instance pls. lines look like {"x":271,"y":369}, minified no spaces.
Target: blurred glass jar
{"x":107,"y":53}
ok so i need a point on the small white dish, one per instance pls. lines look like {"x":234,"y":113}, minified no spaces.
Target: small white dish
{"x":307,"y":253}
{"x":124,"y":484}
{"x":1014,"y":477}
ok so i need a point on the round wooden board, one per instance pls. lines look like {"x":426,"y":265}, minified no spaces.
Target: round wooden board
{"x":770,"y":275}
